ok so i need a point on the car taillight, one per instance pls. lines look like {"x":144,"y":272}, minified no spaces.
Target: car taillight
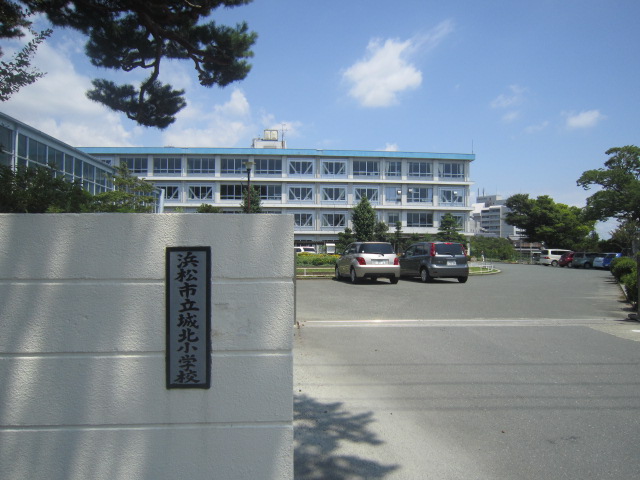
{"x":396,"y":261}
{"x":464,"y":250}
{"x":433,"y":250}
{"x":361,"y":260}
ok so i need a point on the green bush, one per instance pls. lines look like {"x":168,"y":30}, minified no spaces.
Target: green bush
{"x":315,"y":259}
{"x":630,"y":281}
{"x":622,"y":266}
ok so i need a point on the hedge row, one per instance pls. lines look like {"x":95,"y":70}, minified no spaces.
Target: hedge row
{"x":625,"y":270}
{"x":315,"y":259}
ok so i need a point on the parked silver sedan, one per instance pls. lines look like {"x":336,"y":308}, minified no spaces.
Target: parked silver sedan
{"x":368,"y":260}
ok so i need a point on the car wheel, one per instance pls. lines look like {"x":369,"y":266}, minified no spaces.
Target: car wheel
{"x":424,"y":275}
{"x":338,"y":278}
{"x":462,"y":279}
{"x":554,"y":263}
{"x":393,"y":280}
{"x":354,"y":277}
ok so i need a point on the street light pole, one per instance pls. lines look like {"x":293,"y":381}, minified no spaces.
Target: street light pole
{"x":249,"y":165}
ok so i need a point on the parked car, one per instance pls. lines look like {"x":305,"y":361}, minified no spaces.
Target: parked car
{"x":606,"y":262}
{"x":368,"y":260}
{"x":429,"y":260}
{"x":551,"y":256}
{"x":304,"y":249}
{"x":565,"y":259}
{"x":598,"y":260}
{"x":583,"y":259}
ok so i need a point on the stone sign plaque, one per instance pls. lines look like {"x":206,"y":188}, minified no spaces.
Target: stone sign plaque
{"x":188,"y":304}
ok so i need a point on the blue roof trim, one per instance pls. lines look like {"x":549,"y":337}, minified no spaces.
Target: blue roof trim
{"x":273,"y":151}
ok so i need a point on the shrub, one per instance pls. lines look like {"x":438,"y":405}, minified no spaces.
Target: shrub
{"x":315,"y":259}
{"x":622,"y":266}
{"x":630,"y":281}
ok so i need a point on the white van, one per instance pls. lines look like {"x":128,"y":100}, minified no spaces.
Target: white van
{"x":550,"y":256}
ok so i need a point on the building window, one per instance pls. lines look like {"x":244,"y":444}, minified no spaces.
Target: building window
{"x":393,"y":218}
{"x":370,"y":194}
{"x":201,"y":165}
{"x":419,"y":219}
{"x":167,"y":166}
{"x":334,"y":220}
{"x":420,"y":195}
{"x":300,"y":167}
{"x":366,"y":168}
{"x":231,"y":192}
{"x":268,"y":166}
{"x":420,"y":169}
{"x":452,"y":196}
{"x":232,"y":166}
{"x":171,"y":192}
{"x":392,"y":194}
{"x":451,"y":170}
{"x":200,"y":192}
{"x":37,"y":152}
{"x":300,"y":194}
{"x":334,"y":168}
{"x":394,"y":168}
{"x":271,"y":192}
{"x":136,"y":165}
{"x":334,"y":194}
{"x":303,"y":220}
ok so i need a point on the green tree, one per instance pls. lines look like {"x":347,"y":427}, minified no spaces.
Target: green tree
{"x":208,"y":208}
{"x":381,"y":232}
{"x":621,"y":239}
{"x":344,"y":239}
{"x":364,"y":219}
{"x":38,"y":190}
{"x":131,"y":194}
{"x":127,"y":35}
{"x":543,"y":220}
{"x":448,"y":230}
{"x":493,"y":247}
{"x":251,"y":201}
{"x":397,"y":237}
{"x":619,"y":182}
{"x":18,"y":73}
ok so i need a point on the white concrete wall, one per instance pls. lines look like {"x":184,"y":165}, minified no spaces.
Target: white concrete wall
{"x":82,"y":349}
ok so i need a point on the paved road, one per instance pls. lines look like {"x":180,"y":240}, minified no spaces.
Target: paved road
{"x":531,"y":374}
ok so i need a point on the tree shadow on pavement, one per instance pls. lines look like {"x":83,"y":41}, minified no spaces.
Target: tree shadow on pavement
{"x":319,"y":429}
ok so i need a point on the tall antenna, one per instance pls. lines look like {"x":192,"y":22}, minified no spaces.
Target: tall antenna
{"x":472,"y":145}
{"x":283,"y":130}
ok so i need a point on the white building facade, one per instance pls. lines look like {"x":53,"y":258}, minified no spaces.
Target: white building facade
{"x":489,"y":218}
{"x":319,"y":187}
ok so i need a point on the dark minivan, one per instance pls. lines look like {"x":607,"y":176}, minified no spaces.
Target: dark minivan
{"x":429,"y":260}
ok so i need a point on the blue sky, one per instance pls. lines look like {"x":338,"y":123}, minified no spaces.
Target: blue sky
{"x":538,"y":90}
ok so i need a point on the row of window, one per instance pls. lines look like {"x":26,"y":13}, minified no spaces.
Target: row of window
{"x":306,"y":193}
{"x":305,"y":220}
{"x":33,"y":153}
{"x":296,"y":167}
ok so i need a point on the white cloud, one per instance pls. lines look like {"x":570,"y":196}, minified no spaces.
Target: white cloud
{"x":383,"y":74}
{"x":510,"y":117}
{"x":512,"y":99}
{"x":585,"y":119}
{"x":56,"y":104}
{"x":391,"y":147}
{"x":224,"y":126}
{"x":386,"y":69}
{"x":536,"y":128}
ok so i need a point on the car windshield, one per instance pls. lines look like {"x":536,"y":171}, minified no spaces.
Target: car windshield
{"x":449,"y":249}
{"x":375,"y":248}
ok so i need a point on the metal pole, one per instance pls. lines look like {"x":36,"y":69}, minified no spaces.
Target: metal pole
{"x":248,"y":190}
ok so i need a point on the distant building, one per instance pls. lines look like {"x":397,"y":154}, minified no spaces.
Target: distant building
{"x":319,"y":187}
{"x":488,"y":218}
